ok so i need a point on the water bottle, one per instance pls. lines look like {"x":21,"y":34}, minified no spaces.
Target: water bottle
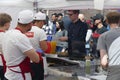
{"x":88,"y":67}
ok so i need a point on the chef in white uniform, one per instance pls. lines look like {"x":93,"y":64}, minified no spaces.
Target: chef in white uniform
{"x":17,"y":49}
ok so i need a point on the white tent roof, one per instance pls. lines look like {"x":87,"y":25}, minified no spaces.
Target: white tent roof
{"x":112,"y":4}
{"x":63,"y":4}
{"x":60,"y":4}
{"x":12,"y":7}
{"x":16,"y":3}
{"x":77,"y":4}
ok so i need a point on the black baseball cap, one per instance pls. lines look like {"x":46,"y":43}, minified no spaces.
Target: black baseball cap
{"x":98,"y":16}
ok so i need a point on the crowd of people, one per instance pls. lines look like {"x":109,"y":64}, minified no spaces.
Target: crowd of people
{"x":23,"y":49}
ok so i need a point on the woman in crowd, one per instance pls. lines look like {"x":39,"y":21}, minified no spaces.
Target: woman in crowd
{"x":61,"y":37}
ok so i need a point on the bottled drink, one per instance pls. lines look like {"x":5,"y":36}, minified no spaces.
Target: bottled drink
{"x":87,"y":67}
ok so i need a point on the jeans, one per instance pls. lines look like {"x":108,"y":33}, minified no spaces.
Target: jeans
{"x":59,"y":49}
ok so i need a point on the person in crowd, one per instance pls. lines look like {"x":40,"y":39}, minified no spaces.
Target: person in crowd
{"x":81,"y":17}
{"x":89,"y":31}
{"x":100,"y":28}
{"x":98,"y":18}
{"x":88,"y":35}
{"x":76,"y":36}
{"x":48,"y":26}
{"x":54,"y":18}
{"x":90,"y":24}
{"x":108,"y":44}
{"x":107,"y":25}
{"x":88,"y":38}
{"x":17,"y":49}
{"x":60,"y":16}
{"x":66,"y":19}
{"x":5,"y":20}
{"x":38,"y":39}
{"x":50,"y":29}
{"x":61,"y":37}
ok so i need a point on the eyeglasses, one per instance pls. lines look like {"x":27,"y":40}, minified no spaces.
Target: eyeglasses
{"x":70,"y":14}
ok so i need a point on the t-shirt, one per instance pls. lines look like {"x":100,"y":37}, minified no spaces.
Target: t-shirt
{"x":59,"y":34}
{"x":107,"y":38}
{"x":109,"y":41}
{"x":114,"y":52}
{"x":37,"y":36}
{"x":14,"y":45}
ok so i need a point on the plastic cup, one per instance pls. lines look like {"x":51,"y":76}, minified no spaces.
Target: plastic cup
{"x":53,"y":47}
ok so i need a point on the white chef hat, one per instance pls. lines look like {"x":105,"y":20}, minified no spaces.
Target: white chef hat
{"x":25,"y":16}
{"x":40,"y":16}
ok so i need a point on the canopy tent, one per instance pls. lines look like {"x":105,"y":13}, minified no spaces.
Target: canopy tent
{"x":13,"y":12}
{"x":112,"y":4}
{"x":64,"y":4}
{"x":12,"y":7}
{"x":77,"y":4}
{"x":61,"y":4}
{"x":16,"y":3}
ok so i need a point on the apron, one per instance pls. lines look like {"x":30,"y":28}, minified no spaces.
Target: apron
{"x":24,"y":66}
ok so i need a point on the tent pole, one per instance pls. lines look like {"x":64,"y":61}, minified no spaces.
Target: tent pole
{"x":35,"y":5}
